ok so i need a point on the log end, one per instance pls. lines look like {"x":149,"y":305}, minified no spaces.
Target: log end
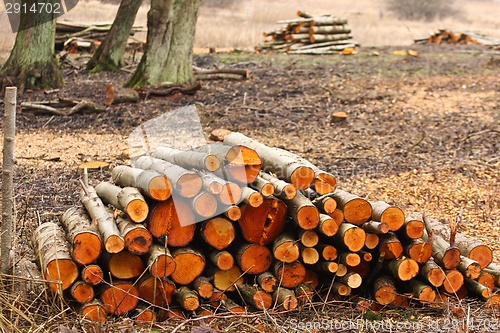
{"x":137,"y":210}
{"x":357,"y":211}
{"x":482,"y":254}
{"x":205,"y":205}
{"x":63,"y":270}
{"x":120,"y":298}
{"x":302,"y":177}
{"x":189,"y":265}
{"x":415,"y":229}
{"x":233,"y":213}
{"x":324,"y":183}
{"x":451,"y":257}
{"x":163,"y":266}
{"x":329,"y":205}
{"x":159,"y":188}
{"x":244,"y":164}
{"x":94,"y":311}
{"x":114,"y":244}
{"x":212,"y":163}
{"x":189,"y":185}
{"x":308,"y":217}
{"x":230,"y":194}
{"x":394,"y":217}
{"x":138,"y":241}
{"x":354,"y":239}
{"x":420,"y":252}
{"x":287,"y":252}
{"x":87,"y":247}
{"x":453,"y":281}
{"x":408,"y":269}
{"x":267,"y":190}
{"x":255,"y":259}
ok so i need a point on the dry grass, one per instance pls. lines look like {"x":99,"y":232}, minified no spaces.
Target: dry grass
{"x":242,"y":25}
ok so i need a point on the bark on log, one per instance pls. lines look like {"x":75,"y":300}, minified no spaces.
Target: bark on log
{"x":94,"y":311}
{"x":138,"y":239}
{"x":264,"y":186}
{"x":433,"y":273}
{"x":304,"y":293}
{"x":282,"y":189}
{"x":325,"y":203}
{"x":188,"y":159}
{"x":232,"y":307}
{"x":445,"y":255}
{"x":413,"y":227}
{"x":253,"y":258}
{"x":285,"y":248}
{"x":119,"y":297}
{"x":329,"y":29}
{"x":423,"y":292}
{"x":278,"y":161}
{"x":151,"y":183}
{"x":330,"y":267}
{"x":218,"y":232}
{"x":222,"y":259}
{"x":54,"y":256}
{"x":256,"y":297}
{"x":125,"y":265}
{"x":82,"y":292}
{"x":352,"y":279}
{"x":403,"y":269}
{"x":252,"y":197}
{"x":187,"y":298}
{"x":327,"y":225}
{"x":384,"y":290}
{"x":190,"y":263}
{"x":115,"y":95}
{"x":268,"y":282}
{"x":469,"y":268}
{"x":290,"y":275}
{"x":303,"y":212}
{"x":285,"y":299}
{"x":375,"y":227}
{"x":156,"y":291}
{"x":319,"y":38}
{"x":349,"y":258}
{"x":392,"y":215}
{"x":185,"y":183}
{"x":113,"y":241}
{"x":211,"y":183}
{"x":83,"y":235}
{"x":160,"y":261}
{"x":264,"y":223}
{"x":494,"y":270}
{"x":233,"y":213}
{"x":478,"y":289}
{"x":356,"y":210}
{"x":418,"y":250}
{"x":92,"y":274}
{"x":127,"y":199}
{"x":203,"y":287}
{"x":172,"y":220}
{"x":350,"y":236}
{"x":341,"y":289}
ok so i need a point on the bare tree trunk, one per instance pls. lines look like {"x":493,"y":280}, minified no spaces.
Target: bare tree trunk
{"x":109,"y":54}
{"x":9,"y":132}
{"x":32,"y":63}
{"x":169,"y":46}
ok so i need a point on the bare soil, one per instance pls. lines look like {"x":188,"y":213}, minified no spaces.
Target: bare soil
{"x":422,"y":132}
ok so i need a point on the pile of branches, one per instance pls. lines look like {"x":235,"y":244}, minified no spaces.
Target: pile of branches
{"x":242,"y":226}
{"x":319,"y":34}
{"x":444,"y":36}
{"x":81,"y":36}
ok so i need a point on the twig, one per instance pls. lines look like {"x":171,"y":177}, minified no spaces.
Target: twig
{"x":44,"y":108}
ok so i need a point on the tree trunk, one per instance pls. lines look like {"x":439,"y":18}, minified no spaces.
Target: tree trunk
{"x":109,"y":54}
{"x":169,"y":46}
{"x":32,"y":63}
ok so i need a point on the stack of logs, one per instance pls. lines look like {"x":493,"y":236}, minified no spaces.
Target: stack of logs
{"x":321,"y":34}
{"x":444,"y":36}
{"x":273,"y":233}
{"x":82,"y":36}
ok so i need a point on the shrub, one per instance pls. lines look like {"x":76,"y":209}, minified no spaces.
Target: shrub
{"x":426,"y":10}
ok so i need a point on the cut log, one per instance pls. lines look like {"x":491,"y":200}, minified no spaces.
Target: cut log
{"x":278,"y":161}
{"x":285,"y":299}
{"x":309,"y":255}
{"x":252,"y":197}
{"x":172,"y":220}
{"x":304,"y":293}
{"x":218,"y":232}
{"x":330,"y":267}
{"x":120,"y":95}
{"x":403,"y":269}
{"x":282,"y":189}
{"x":253,"y":258}
{"x":187,"y":298}
{"x":418,"y":250}
{"x":356,"y":210}
{"x":325,"y":204}
{"x":203,"y":204}
{"x":338,"y":216}
{"x":375,"y":227}
{"x":352,"y":279}
{"x":391,"y":246}
{"x":232,"y":307}
{"x":453,"y":281}
{"x":185,"y":183}
{"x":92,"y":274}
{"x":329,"y":29}
{"x":226,"y":280}
{"x":308,"y":238}
{"x":93,"y":166}
{"x":156,"y":291}
{"x":150,"y":183}
{"x":432,"y":273}
{"x":256,"y":297}
{"x":421,"y":291}
{"x":285,"y":248}
{"x":349,"y":259}
{"x":160,"y":262}
{"x":327,"y":20}
{"x":113,"y":241}
{"x":144,"y":315}
{"x":231,"y":194}
{"x":365,"y":255}
{"x":203,"y":287}
{"x":232,"y":212}
{"x":188,"y":159}
{"x":128,"y":199}
{"x":364,"y":269}
{"x":222,"y":259}
{"x":487,"y":280}
{"x":211,"y":183}
{"x":82,"y":292}
{"x":290,"y":275}
{"x":83,"y":236}
{"x":341,"y":289}
{"x":138,"y":239}
{"x":392,"y":215}
{"x":303,"y":212}
{"x":94,"y":311}
{"x":445,"y":255}
{"x":268,"y":282}
{"x":264,"y":186}
{"x":239,"y":163}
{"x":189,"y":265}
{"x":327,"y":252}
{"x":469,"y":268}
{"x":119,"y":297}
{"x":54,"y":255}
{"x":413,"y":227}
{"x":384,"y":290}
{"x":327,"y":225}
{"x":494,"y":270}
{"x":125,"y":265}
{"x":350,"y":236}
{"x":320,"y":38}
{"x":478,"y":289}
{"x":264,"y":223}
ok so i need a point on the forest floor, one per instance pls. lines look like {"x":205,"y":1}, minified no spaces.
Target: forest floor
{"x":422,"y":133}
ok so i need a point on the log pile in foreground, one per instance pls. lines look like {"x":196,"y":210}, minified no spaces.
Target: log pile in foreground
{"x":444,"y":36}
{"x":320,"y":34}
{"x":274,"y":234}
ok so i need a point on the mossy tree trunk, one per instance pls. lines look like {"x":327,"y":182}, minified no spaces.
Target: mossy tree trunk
{"x":169,"y":46}
{"x":108,"y":55}
{"x":32,"y":63}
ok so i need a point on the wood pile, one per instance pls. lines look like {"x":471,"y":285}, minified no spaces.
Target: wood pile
{"x":82,"y":36}
{"x":319,"y":34}
{"x":444,"y":36}
{"x":273,"y":233}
